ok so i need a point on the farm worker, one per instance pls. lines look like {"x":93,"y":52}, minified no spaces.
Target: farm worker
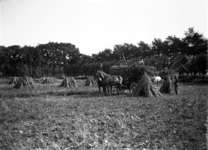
{"x":175,"y":83}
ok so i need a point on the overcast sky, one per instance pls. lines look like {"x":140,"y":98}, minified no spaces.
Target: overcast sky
{"x":94,"y":25}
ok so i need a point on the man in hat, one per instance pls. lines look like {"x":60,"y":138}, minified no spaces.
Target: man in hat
{"x":175,"y":83}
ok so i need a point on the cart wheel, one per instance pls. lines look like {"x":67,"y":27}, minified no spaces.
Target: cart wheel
{"x":133,"y":87}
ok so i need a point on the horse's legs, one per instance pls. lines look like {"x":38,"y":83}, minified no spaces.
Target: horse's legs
{"x":107,"y":90}
{"x":99,"y":89}
{"x":111,"y":89}
{"x":118,"y":89}
{"x":104,"y":90}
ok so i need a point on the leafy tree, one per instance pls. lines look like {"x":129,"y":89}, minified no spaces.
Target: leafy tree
{"x":52,"y":48}
{"x":3,"y":59}
{"x":144,"y":50}
{"x":174,"y":46}
{"x":107,"y":65}
{"x":158,"y":47}
{"x":39,"y":61}
{"x":152,"y":61}
{"x":15,"y":56}
{"x":128,"y":50}
{"x":118,"y":53}
{"x":201,"y":63}
{"x":64,"y":58}
{"x":45,"y":52}
{"x":181,"y":63}
{"x":194,"y":42}
{"x":106,"y":55}
{"x":29,"y":58}
{"x":72,"y":56}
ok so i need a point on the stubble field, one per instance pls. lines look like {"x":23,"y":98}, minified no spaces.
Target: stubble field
{"x":52,"y":118}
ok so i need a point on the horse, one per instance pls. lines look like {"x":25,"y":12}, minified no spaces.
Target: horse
{"x":108,"y":81}
{"x":100,"y":84}
{"x":98,"y":81}
{"x":157,"y":80}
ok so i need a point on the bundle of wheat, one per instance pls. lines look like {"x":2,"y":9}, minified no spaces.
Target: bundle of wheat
{"x":25,"y":82}
{"x":167,"y":86}
{"x":48,"y":80}
{"x":13,"y":80}
{"x":4,"y":108}
{"x":68,"y":82}
{"x":146,"y":88}
{"x":90,"y":81}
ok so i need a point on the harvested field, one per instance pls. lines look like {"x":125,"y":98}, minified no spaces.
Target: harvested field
{"x":49,"y":117}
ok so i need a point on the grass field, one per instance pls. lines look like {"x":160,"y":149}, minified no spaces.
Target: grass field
{"x":53,"y":118}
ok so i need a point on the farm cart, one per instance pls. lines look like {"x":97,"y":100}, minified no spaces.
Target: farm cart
{"x":131,"y":75}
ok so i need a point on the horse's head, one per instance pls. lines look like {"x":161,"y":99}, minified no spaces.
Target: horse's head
{"x":99,"y":74}
{"x":99,"y":81}
{"x":120,"y":80}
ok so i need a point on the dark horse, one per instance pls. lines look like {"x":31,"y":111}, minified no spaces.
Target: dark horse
{"x":108,"y":81}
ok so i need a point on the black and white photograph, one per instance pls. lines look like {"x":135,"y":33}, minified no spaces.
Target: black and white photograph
{"x":103,"y":74}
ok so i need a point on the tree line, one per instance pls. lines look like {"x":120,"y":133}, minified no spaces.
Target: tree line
{"x":65,"y":59}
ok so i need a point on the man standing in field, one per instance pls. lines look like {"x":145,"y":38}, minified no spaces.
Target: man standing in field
{"x":175,"y":83}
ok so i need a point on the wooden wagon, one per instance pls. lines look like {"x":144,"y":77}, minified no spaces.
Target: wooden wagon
{"x":130,"y":78}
